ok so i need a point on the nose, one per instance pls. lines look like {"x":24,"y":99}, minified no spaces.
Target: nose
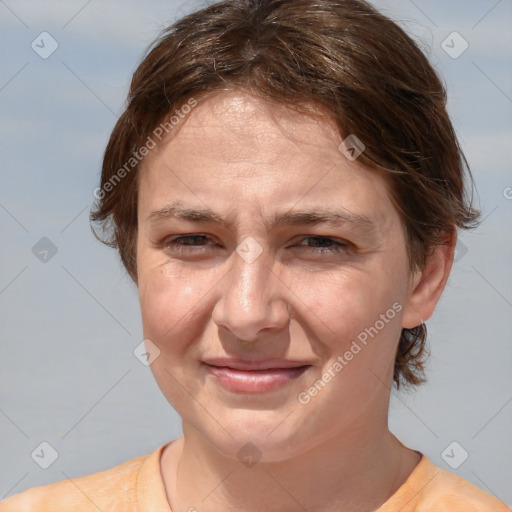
{"x":252,"y":299}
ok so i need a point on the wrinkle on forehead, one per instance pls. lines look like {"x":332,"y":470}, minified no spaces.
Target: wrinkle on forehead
{"x":245,"y":117}
{"x":257,"y":154}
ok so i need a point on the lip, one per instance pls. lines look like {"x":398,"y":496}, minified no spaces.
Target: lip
{"x":247,"y":364}
{"x":242,"y":376}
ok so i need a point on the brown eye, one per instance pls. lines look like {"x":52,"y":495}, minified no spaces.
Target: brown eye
{"x":187,"y":244}
{"x":324,"y":244}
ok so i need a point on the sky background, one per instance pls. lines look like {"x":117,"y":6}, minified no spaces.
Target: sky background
{"x":69,"y":325}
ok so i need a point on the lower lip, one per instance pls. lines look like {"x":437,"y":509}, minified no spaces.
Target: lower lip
{"x":254,"y":381}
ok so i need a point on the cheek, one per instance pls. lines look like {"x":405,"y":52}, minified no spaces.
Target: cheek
{"x":344,"y":303}
{"x":358,"y":315}
{"x":176,"y":306}
{"x":168,"y":299}
{"x":169,"y":307}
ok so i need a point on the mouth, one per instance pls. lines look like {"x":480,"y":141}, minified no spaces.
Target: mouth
{"x":241,"y":376}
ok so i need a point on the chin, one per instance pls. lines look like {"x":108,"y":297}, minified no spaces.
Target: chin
{"x":253,"y":441}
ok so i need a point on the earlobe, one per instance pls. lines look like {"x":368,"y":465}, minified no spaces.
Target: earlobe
{"x":429,"y":283}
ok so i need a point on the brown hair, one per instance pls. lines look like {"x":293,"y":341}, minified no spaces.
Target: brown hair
{"x":340,"y":55}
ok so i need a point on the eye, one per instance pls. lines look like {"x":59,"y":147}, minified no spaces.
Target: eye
{"x":323,"y":244}
{"x":191,"y":244}
{"x":196,"y":244}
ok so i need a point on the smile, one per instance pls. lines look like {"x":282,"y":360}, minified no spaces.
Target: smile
{"x":254,"y":381}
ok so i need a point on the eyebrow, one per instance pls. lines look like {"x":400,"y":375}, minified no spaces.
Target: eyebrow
{"x":334,"y":218}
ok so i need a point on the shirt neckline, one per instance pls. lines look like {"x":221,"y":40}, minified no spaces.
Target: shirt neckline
{"x":151,"y":494}
{"x":424,"y":472}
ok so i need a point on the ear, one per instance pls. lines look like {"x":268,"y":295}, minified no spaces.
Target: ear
{"x":428,"y":284}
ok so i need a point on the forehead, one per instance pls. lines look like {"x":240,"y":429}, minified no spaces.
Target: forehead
{"x":238,"y":151}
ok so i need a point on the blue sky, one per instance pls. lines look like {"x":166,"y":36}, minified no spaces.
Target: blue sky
{"x":69,"y":326}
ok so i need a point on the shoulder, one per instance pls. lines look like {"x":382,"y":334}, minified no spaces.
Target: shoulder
{"x":449,"y":491}
{"x":432,"y":489}
{"x":116,"y":486}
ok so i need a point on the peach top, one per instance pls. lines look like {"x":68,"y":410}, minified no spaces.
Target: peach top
{"x":137,"y":485}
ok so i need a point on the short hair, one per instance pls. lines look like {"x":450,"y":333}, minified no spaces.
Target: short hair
{"x":341,"y":57}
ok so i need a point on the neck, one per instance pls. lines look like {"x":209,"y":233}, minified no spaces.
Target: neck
{"x":349,"y":472}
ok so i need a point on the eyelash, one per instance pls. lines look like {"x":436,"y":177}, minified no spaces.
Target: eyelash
{"x":175,"y":244}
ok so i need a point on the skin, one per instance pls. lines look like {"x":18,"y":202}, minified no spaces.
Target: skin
{"x":301,"y":299}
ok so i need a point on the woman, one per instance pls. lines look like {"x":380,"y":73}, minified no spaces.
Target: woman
{"x":285,"y":188}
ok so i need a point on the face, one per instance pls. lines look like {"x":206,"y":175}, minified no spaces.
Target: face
{"x":260,"y":243}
